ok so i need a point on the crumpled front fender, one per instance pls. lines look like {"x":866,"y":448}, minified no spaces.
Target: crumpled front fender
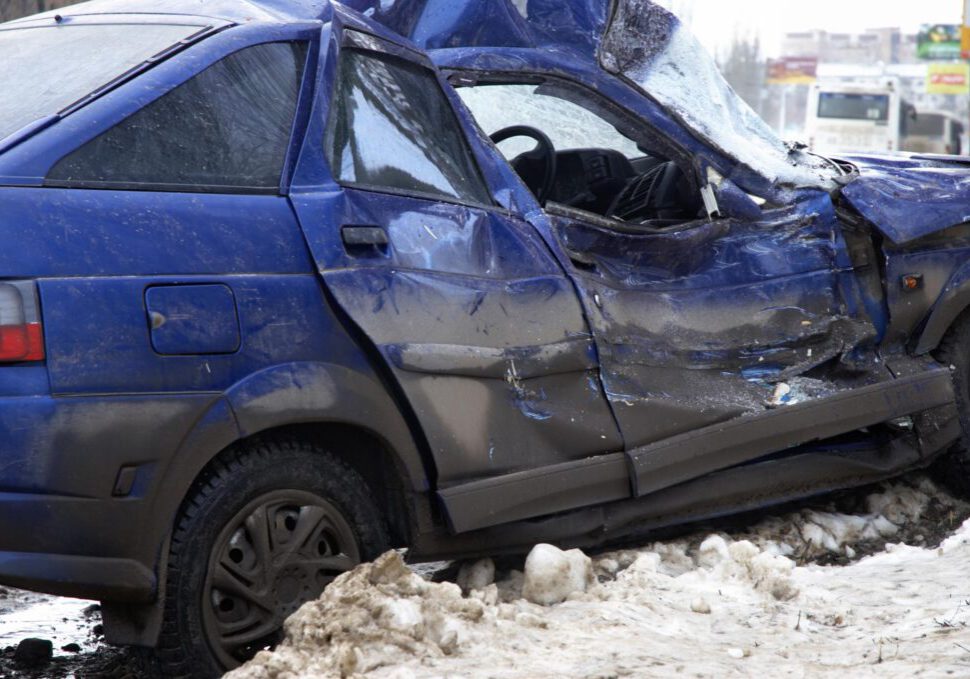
{"x":909,"y":197}
{"x":953,"y":301}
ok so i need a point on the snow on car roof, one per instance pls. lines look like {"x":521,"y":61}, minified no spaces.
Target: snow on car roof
{"x":649,"y":46}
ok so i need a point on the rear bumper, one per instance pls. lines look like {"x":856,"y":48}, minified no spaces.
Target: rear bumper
{"x":85,"y":577}
{"x":68,"y":526}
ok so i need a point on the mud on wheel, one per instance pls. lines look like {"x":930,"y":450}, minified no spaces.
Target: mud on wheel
{"x":266,"y":528}
{"x":953,"y":469}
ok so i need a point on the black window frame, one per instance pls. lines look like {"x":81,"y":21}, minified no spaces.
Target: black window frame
{"x":205,"y":189}
{"x":372,"y":47}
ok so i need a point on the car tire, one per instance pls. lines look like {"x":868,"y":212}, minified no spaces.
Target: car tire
{"x":286,"y":517}
{"x":952,"y":469}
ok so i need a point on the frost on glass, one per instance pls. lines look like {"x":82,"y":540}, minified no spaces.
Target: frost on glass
{"x":648,"y":45}
{"x":392,"y":127}
{"x":47,"y":69}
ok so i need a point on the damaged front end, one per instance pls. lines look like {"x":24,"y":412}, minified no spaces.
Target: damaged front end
{"x":751,"y":344}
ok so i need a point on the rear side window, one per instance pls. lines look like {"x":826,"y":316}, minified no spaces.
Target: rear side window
{"x":392,"y":127}
{"x":225,"y":130}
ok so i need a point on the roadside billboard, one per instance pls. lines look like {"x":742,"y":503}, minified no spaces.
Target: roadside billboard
{"x":940,"y":41}
{"x":948,"y":79}
{"x":793,"y":71}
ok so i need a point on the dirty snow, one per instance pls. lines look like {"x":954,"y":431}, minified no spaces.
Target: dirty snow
{"x":752,"y":602}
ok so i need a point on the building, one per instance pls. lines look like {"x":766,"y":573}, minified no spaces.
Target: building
{"x":875,"y":53}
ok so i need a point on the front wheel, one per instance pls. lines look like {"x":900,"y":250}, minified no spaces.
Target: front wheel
{"x":265,"y":530}
{"x":953,"y":469}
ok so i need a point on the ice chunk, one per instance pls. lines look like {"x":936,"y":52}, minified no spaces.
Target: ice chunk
{"x":476,"y":575}
{"x":551,"y":574}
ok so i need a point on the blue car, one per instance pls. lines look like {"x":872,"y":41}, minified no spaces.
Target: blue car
{"x":288,"y":283}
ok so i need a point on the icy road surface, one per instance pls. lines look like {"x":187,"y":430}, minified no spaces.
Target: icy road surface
{"x":755,"y":602}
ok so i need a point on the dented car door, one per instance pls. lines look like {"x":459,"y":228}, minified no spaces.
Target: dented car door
{"x":479,"y":325}
{"x":699,"y":324}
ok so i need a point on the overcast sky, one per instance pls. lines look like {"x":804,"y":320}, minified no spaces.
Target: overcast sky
{"x":716,"y":21}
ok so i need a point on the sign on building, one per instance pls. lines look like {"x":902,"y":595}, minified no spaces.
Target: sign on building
{"x":940,"y":41}
{"x":793,"y":70}
{"x":948,"y":79}
{"x":965,"y":36}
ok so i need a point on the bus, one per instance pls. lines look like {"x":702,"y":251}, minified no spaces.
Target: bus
{"x":936,"y":132}
{"x":857,"y":117}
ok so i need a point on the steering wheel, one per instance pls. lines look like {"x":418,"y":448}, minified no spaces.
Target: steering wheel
{"x":544,"y":153}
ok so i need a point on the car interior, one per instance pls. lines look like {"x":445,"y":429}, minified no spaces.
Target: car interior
{"x":583,"y":156}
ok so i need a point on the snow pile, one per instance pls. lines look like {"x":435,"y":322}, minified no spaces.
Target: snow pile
{"x":812,"y":533}
{"x":712,"y":605}
{"x":368,"y":618}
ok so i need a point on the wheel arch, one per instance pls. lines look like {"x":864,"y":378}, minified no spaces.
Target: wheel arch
{"x":349,"y":411}
{"x":949,"y":309}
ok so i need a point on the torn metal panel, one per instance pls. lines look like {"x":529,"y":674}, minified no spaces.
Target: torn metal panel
{"x":911,"y":197}
{"x":695,"y":324}
{"x":443,"y":24}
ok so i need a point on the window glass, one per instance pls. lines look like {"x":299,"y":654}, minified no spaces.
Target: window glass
{"x":927,"y":125}
{"x":47,"y":69}
{"x":568,"y":125}
{"x":392,"y":127}
{"x":873,"y":107}
{"x":227,"y":129}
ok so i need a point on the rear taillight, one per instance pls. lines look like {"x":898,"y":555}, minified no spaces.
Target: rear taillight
{"x":21,"y":333}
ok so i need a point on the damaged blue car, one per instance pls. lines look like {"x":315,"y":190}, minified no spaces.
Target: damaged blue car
{"x":287,"y":284}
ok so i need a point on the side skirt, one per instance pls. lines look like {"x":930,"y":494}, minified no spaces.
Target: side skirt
{"x":731,"y":491}
{"x":678,"y":460}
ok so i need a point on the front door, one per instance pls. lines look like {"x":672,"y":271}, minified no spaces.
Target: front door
{"x":481,"y":328}
{"x":698,"y":319}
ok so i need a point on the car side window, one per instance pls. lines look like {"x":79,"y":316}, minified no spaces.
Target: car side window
{"x":225,"y":130}
{"x":391,"y":127}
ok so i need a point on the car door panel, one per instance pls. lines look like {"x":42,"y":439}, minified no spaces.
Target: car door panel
{"x":480,"y":327}
{"x":477,"y":322}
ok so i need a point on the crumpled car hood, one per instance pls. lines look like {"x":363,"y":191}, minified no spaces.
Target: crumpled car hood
{"x":909,"y":197}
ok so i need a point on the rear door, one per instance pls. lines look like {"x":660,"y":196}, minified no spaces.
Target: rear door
{"x":481,"y":328}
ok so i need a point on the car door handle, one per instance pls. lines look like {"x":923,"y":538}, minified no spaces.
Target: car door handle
{"x":363,"y":236}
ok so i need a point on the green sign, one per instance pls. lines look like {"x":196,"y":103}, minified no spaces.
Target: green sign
{"x":939,"y":41}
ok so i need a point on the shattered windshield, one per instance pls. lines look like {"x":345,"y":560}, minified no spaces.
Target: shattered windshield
{"x":46,"y":69}
{"x":647,"y":45}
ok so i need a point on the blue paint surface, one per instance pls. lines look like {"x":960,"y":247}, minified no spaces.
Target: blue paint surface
{"x":475,"y":341}
{"x":189,"y":320}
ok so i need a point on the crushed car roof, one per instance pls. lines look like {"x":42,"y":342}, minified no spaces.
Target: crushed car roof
{"x":636,"y":40}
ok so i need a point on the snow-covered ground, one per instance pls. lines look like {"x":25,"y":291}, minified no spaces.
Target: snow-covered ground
{"x":752,"y":602}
